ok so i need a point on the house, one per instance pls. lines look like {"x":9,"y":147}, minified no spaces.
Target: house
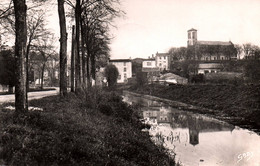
{"x":162,"y":61}
{"x":209,"y":50}
{"x":149,"y":63}
{"x":124,"y":67}
{"x":149,"y":67}
{"x":205,"y":68}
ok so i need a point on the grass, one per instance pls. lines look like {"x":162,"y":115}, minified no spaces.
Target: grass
{"x":92,"y":128}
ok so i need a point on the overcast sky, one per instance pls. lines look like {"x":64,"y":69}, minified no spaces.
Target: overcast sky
{"x":151,"y":26}
{"x":156,"y":25}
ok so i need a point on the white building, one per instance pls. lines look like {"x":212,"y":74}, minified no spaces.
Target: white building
{"x":124,"y":67}
{"x":162,"y":61}
{"x":149,"y":63}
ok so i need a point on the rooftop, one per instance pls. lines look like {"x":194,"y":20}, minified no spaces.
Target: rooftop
{"x":192,"y":29}
{"x":210,"y":66}
{"x":162,"y":54}
{"x":119,"y":60}
{"x":214,"y":43}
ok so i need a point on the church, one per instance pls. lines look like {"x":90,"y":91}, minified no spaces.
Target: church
{"x":209,"y":50}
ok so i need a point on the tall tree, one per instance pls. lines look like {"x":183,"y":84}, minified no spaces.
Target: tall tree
{"x":72,"y":69}
{"x":21,"y":101}
{"x":63,"y":49}
{"x":77,"y":42}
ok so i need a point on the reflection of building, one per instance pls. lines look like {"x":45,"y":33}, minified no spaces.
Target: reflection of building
{"x":164,"y":116}
{"x":124,"y":67}
{"x":197,"y":124}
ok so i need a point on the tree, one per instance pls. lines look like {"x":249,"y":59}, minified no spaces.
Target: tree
{"x":239,"y":50}
{"x":177,"y":54}
{"x":44,"y":56}
{"x":93,"y":18}
{"x":21,"y":102}
{"x":63,"y":49}
{"x":7,"y":68}
{"x":111,"y":74}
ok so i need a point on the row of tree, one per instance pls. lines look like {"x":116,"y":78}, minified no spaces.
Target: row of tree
{"x":90,"y":39}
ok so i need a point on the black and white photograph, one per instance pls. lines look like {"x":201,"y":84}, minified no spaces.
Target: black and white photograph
{"x":130,"y":82}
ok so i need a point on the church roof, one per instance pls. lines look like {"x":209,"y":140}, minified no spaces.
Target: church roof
{"x":192,"y":29}
{"x":214,"y":43}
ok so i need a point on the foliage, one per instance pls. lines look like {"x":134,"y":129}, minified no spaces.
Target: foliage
{"x":177,"y":54}
{"x":252,"y":70}
{"x":68,"y":132}
{"x":141,"y":79}
{"x":184,"y":68}
{"x":7,"y":67}
{"x":111,"y":74}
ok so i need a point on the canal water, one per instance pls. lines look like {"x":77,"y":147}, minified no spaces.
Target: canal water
{"x":196,"y":139}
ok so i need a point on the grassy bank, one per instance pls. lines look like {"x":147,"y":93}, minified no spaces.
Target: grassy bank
{"x":94,"y":128}
{"x":240,"y":102}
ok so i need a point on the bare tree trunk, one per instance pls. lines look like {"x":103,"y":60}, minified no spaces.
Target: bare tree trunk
{"x":20,"y":59}
{"x":73,"y":60}
{"x":63,"y":49}
{"x":77,"y":56}
{"x":27,"y":70}
{"x":43,"y":68}
{"x":93,"y":67}
{"x":83,"y":54}
{"x":88,"y":71}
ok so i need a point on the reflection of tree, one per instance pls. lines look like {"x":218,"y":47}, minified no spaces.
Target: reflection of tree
{"x":194,"y":130}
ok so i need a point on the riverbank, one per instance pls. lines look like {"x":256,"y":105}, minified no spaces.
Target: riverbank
{"x":94,"y":128}
{"x":238,"y":105}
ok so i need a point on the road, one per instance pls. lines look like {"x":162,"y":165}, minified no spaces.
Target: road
{"x":31,"y":95}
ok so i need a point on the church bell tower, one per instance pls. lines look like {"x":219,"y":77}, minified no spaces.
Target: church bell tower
{"x":192,"y":37}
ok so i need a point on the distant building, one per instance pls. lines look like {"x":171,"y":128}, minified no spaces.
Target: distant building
{"x":124,"y":67}
{"x":149,"y":63}
{"x":209,"y":50}
{"x":162,"y":61}
{"x":205,"y":68}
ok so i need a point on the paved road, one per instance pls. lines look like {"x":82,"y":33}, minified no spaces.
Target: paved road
{"x":31,"y":95}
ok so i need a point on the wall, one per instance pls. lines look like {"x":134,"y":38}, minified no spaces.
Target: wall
{"x":124,"y":69}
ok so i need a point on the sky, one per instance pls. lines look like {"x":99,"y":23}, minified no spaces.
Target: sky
{"x":151,"y":26}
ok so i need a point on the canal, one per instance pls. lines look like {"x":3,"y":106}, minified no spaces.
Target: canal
{"x":196,"y":139}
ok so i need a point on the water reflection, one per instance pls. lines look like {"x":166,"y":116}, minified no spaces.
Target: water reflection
{"x":197,"y":139}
